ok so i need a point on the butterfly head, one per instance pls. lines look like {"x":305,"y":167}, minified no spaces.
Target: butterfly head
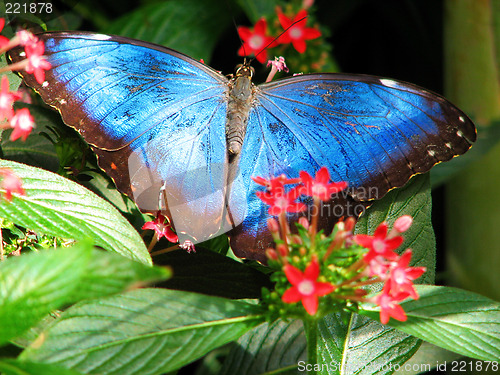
{"x":244,"y":70}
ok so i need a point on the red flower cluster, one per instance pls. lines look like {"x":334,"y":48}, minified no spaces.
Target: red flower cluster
{"x":256,"y":40}
{"x":377,"y":262}
{"x":21,"y":121}
{"x":391,"y":268}
{"x":281,"y":201}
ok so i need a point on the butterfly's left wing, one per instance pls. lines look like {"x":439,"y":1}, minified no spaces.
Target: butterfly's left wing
{"x":373,"y":133}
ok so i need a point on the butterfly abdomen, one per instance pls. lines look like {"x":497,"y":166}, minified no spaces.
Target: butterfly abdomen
{"x":240,"y":101}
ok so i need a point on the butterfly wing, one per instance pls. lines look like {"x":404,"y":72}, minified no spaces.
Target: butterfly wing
{"x":154,"y":116}
{"x":373,"y":133}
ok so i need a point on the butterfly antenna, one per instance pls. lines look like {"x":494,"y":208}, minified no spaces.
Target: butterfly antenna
{"x":275,"y":39}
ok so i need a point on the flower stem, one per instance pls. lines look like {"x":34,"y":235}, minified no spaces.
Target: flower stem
{"x":311,"y":329}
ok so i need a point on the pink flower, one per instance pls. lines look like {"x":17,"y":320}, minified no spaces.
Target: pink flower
{"x":279,"y":200}
{"x":3,"y":40}
{"x":305,"y":286}
{"x":389,"y":306}
{"x":23,"y":123}
{"x":403,"y":223}
{"x":298,"y":33}
{"x":320,"y":186}
{"x":254,"y":41}
{"x":11,"y":183}
{"x":379,"y":244}
{"x":401,"y":276}
{"x":7,"y":98}
{"x":36,"y":61}
{"x":161,"y":228}
{"x":277,"y":65}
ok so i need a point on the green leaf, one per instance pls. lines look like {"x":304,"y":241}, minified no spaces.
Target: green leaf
{"x":59,"y":207}
{"x":34,"y":284}
{"x":145,"y":331}
{"x":16,"y":367}
{"x":212,"y":273}
{"x":268,"y":348}
{"x":191,"y":26}
{"x":362,"y":347}
{"x":454,"y":319}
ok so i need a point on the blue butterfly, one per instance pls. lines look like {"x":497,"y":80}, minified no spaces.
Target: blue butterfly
{"x":180,"y":137}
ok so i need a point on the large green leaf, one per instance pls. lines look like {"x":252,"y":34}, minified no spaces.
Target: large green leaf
{"x":57,"y":206}
{"x":454,"y":319}
{"x":34,"y":284}
{"x":190,"y":26}
{"x":146,"y":331}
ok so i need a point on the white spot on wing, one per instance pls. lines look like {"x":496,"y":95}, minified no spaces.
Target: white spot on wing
{"x":389,"y":82}
{"x":461,"y":118}
{"x":431,"y":152}
{"x":22,"y":54}
{"x":101,"y":36}
{"x":459,"y":133}
{"x":448,"y":144}
{"x":62,"y":101}
{"x":45,"y":84}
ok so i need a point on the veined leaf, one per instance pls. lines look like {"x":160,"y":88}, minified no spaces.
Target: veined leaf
{"x":145,"y":331}
{"x":59,"y":207}
{"x":454,"y":319}
{"x":34,"y":284}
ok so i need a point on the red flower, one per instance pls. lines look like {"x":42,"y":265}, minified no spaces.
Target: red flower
{"x":320,"y":186}
{"x":3,"y":40}
{"x":161,"y":228}
{"x":7,"y":98}
{"x":305,"y":286}
{"x":280,"y":201}
{"x":298,"y":33}
{"x":389,"y":306}
{"x":36,"y":62}
{"x":11,"y":183}
{"x":401,"y":276}
{"x":379,"y":244}
{"x":254,"y":41}
{"x":22,"y":122}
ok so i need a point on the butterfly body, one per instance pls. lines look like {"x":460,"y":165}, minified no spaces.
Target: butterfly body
{"x":178,"y":136}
